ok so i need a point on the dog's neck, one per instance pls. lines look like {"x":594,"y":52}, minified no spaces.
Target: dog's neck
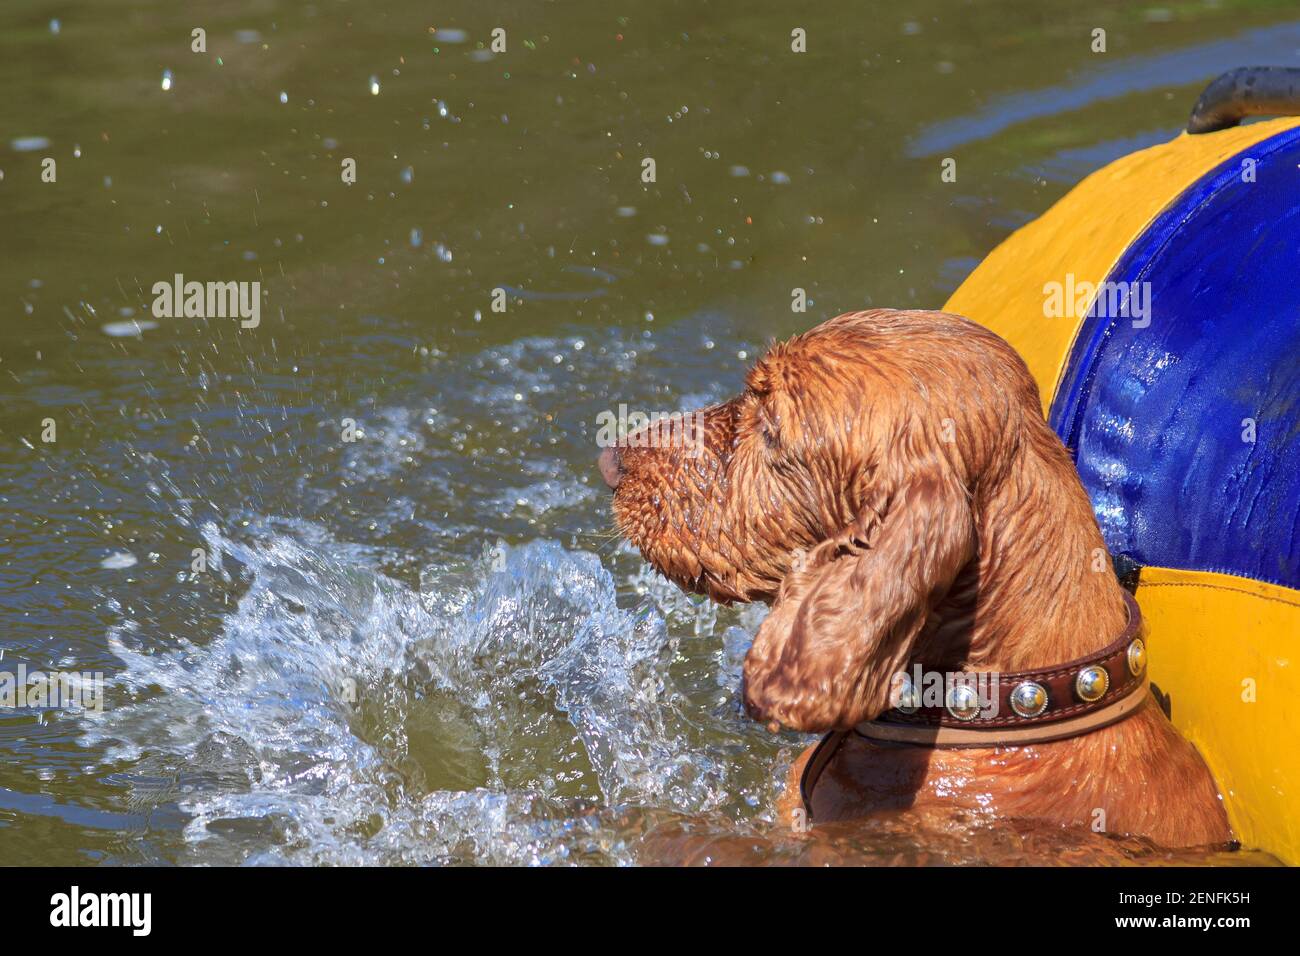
{"x":1041,"y":590}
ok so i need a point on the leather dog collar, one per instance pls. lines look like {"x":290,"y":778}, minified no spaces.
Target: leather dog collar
{"x":994,"y":710}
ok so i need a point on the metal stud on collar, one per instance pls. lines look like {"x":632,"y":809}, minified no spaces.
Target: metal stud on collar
{"x":906,"y":697}
{"x":1029,"y":699}
{"x":1137,"y":657}
{"x":1092,"y":683}
{"x":963,"y":701}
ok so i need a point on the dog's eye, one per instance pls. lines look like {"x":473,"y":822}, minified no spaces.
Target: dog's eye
{"x":764,"y":422}
{"x":769,"y":429}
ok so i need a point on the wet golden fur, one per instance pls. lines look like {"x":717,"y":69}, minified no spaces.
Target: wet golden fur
{"x":887,"y":483}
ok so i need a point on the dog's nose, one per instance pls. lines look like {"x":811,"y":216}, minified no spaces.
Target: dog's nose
{"x":611,"y":469}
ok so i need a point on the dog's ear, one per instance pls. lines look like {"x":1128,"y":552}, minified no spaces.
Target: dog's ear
{"x":846,"y":623}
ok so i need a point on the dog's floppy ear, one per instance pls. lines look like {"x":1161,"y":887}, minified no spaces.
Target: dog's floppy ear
{"x":844,"y":625}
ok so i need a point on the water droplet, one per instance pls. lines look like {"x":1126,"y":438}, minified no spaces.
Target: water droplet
{"x":133,"y":328}
{"x":27,"y":144}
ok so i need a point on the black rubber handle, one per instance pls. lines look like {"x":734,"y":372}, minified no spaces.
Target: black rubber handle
{"x":1246,"y":91}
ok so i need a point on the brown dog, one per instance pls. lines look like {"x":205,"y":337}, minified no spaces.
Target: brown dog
{"x":887,"y":483}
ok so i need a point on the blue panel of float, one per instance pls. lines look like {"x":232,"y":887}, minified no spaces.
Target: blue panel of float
{"x":1185,"y":422}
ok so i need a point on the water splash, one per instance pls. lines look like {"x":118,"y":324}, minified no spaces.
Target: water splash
{"x":341,"y":717}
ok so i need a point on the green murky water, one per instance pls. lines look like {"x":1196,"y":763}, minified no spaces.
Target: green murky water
{"x":423,"y":645}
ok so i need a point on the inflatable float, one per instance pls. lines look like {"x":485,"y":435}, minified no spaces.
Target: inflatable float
{"x":1158,"y":307}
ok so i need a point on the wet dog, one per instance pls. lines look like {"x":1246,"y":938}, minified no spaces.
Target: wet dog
{"x":886,"y":482}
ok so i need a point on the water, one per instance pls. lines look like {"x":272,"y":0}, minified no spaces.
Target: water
{"x":424,"y":645}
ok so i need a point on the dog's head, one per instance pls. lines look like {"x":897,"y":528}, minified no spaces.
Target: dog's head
{"x":842,"y":486}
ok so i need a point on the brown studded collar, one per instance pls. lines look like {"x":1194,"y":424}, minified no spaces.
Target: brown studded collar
{"x":991,"y":709}
{"x":1028,"y":707}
